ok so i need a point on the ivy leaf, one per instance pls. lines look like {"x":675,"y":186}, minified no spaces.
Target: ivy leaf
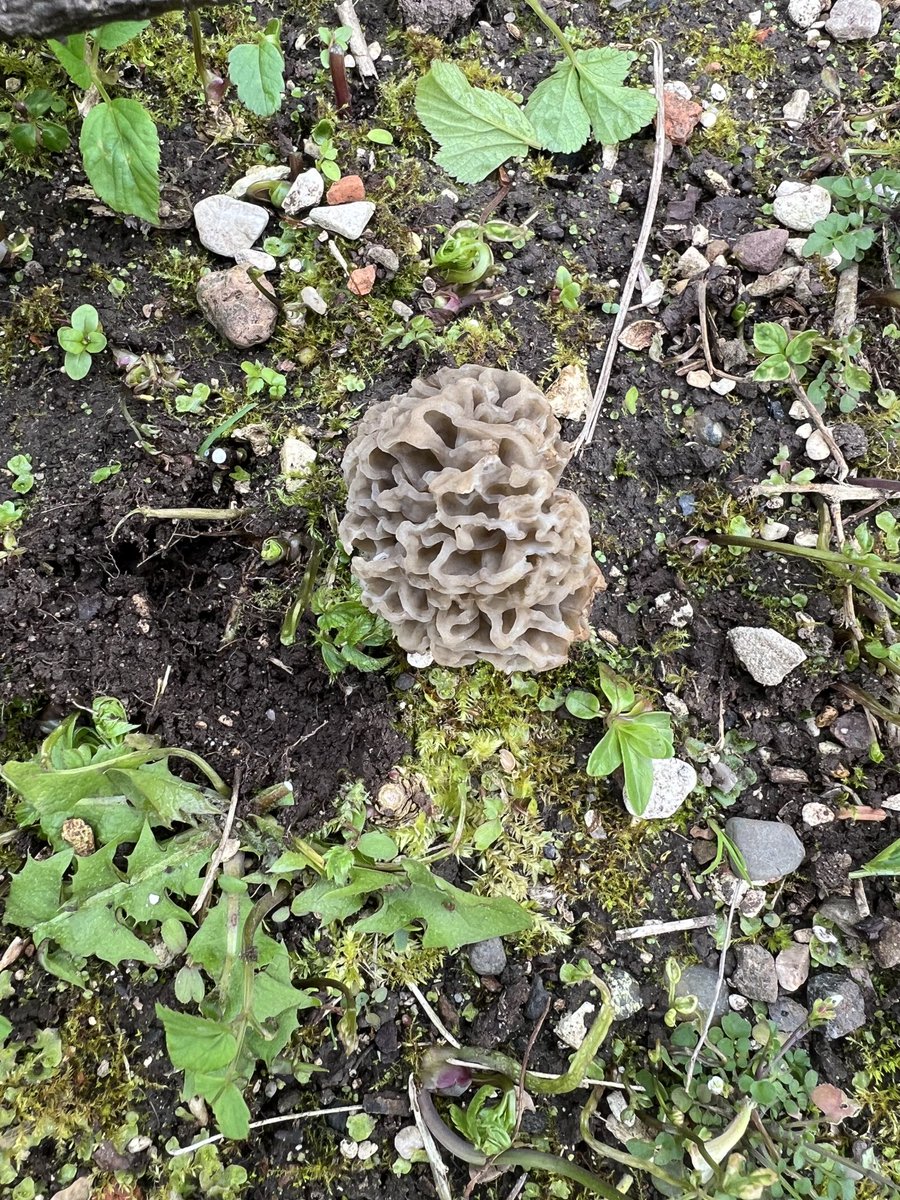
{"x":120,"y":150}
{"x":616,"y":112}
{"x":452,"y":917}
{"x":117,"y":33}
{"x":556,"y":111}
{"x":477,"y":130}
{"x":70,"y":55}
{"x":257,"y":71}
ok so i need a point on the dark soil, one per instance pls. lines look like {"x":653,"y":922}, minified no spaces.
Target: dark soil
{"x":171,"y":617}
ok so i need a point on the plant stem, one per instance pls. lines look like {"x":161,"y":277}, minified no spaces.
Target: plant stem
{"x":338,"y":68}
{"x":546,"y":19}
{"x":829,"y":557}
{"x":197,"y":46}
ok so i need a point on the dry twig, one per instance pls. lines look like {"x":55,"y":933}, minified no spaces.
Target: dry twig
{"x":640,"y":250}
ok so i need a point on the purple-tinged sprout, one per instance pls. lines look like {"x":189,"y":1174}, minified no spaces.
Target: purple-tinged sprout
{"x":339,"y":80}
{"x":215,"y":87}
{"x":697,"y":545}
{"x":440,"y":1075}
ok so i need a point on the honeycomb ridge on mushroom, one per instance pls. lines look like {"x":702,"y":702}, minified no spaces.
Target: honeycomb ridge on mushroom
{"x":462,"y":539}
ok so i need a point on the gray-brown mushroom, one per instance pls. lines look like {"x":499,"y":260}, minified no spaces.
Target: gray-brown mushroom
{"x":462,"y":539}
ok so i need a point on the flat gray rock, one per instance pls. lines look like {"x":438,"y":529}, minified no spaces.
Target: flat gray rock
{"x":701,"y":982}
{"x":226,"y":225}
{"x":799,"y":206}
{"x":851,"y":1012}
{"x":346,"y":220}
{"x":754,"y":976}
{"x":854,"y":20}
{"x":805,"y":12}
{"x":771,"y":849}
{"x":673,"y":782}
{"x":887,"y":948}
{"x":625,"y":993}
{"x":765,"y":653}
{"x":234,"y":305}
{"x":787,"y":1014}
{"x":306,"y":190}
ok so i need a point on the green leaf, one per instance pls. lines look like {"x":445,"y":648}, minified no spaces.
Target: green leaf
{"x":606,"y":756}
{"x":76,"y":366}
{"x":638,"y":773}
{"x":85,"y":319}
{"x":34,"y":891}
{"x":476,"y":130}
{"x":55,"y":137}
{"x":487,"y":833}
{"x":195,"y":1043}
{"x":24,"y":137}
{"x":377,"y":845}
{"x":381,"y":137}
{"x":649,"y":734}
{"x":799,"y":349}
{"x":857,"y":378}
{"x":887,"y":862}
{"x":70,"y":55}
{"x":554,"y":108}
{"x":775,"y":367}
{"x":117,"y":33}
{"x":231,"y":1113}
{"x":583,"y":705}
{"x":120,"y":150}
{"x":616,"y":112}
{"x":257,"y":71}
{"x":770,"y":338}
{"x":451,"y":916}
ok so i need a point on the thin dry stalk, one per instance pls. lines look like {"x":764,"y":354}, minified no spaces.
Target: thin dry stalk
{"x":655,"y":928}
{"x":438,"y":1169}
{"x":740,"y":888}
{"x":297,"y":1116}
{"x":358,"y":45}
{"x":216,"y":860}
{"x":433,"y":1017}
{"x":640,"y":250}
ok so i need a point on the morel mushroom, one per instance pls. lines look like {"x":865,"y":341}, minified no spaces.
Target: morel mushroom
{"x":463,"y":541}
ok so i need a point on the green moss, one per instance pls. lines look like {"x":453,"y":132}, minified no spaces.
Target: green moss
{"x":39,"y":313}
{"x":73,"y":1087}
{"x":742,"y":54}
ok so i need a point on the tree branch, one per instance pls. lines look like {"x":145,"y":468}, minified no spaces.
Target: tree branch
{"x":57,"y":18}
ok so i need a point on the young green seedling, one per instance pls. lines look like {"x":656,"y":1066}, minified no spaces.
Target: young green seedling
{"x":80,"y":340}
{"x":634,"y":737}
{"x":784,"y":356}
{"x":569,"y":289}
{"x":20,"y":465}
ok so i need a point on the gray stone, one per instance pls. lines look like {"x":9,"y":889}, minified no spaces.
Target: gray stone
{"x":306,"y":190}
{"x":766,"y":654}
{"x":385,"y":257}
{"x":792,"y":966}
{"x":346,"y":220}
{"x":841,"y":911}
{"x":805,"y":12}
{"x":796,"y":108}
{"x":624,"y":992}
{"x":787,"y":1014}
{"x":226,"y":225}
{"x":232,"y":303}
{"x":785,"y":279}
{"x":691,"y":264}
{"x":887,"y":949}
{"x":487,"y":957}
{"x":436,"y":16}
{"x":853,"y":20}
{"x":760,"y":251}
{"x":701,"y":982}
{"x":800,"y":205}
{"x":771,"y":849}
{"x":754,"y":976}
{"x":673,"y":782}
{"x":314,"y":300}
{"x":851,"y":1012}
{"x":255,"y":258}
{"x":852,"y":731}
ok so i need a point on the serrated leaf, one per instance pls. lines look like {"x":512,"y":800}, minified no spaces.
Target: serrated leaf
{"x":556,"y":111}
{"x":70,"y":55}
{"x":616,"y":112}
{"x":451,"y":916}
{"x":34,"y":891}
{"x":476,"y":130}
{"x":257,"y":71}
{"x":120,"y":151}
{"x":117,"y":33}
{"x":331,"y":902}
{"x":195,"y":1043}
